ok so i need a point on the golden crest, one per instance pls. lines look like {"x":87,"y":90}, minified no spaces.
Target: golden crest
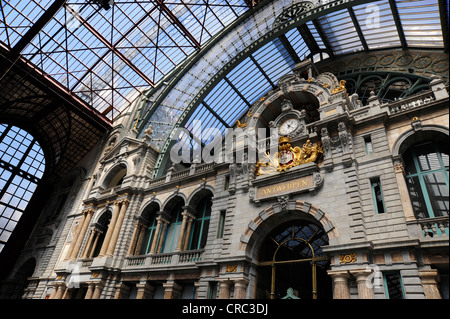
{"x":288,"y":156}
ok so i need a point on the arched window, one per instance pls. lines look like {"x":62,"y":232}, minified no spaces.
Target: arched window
{"x":370,"y":84}
{"x":396,"y":89}
{"x":118,"y":177}
{"x":291,"y":259}
{"x":149,"y":234}
{"x":101,"y":229}
{"x":426,"y":167}
{"x":199,"y":233}
{"x":22,"y":165}
{"x":173,"y":229}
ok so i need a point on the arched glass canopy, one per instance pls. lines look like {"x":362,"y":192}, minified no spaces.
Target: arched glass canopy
{"x":246,"y":62}
{"x":187,"y":60}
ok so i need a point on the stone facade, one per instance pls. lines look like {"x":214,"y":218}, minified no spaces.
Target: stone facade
{"x":86,"y":258}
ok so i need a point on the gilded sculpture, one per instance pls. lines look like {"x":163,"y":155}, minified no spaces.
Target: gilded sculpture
{"x":288,"y":156}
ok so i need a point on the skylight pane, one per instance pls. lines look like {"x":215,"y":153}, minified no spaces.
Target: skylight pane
{"x":274,"y":60}
{"x":340,"y":32}
{"x":377,"y":24}
{"x":421,"y":23}
{"x":315,"y":34}
{"x":248,"y":80}
{"x":225,"y":101}
{"x":298,"y":43}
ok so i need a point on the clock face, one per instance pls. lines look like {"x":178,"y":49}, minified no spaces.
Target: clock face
{"x":288,"y":126}
{"x":285,"y":157}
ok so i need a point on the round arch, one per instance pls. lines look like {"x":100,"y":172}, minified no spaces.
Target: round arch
{"x":265,"y":222}
{"x":284,"y":243}
{"x":197,"y":195}
{"x":114,"y":175}
{"x":151,"y":206}
{"x":173,"y":200}
{"x":410,"y":137}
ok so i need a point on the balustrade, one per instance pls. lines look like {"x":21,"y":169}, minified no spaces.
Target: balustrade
{"x":164,"y":259}
{"x":436,"y":227}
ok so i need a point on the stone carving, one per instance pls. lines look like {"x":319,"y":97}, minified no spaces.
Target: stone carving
{"x":283,"y":200}
{"x":343,"y":137}
{"x":326,"y":142}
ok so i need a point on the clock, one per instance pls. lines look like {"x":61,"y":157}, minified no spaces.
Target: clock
{"x":288,"y":126}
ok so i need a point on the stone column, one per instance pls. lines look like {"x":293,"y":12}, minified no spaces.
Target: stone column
{"x":97,"y":234}
{"x":240,"y":288}
{"x":340,"y":281}
{"x":429,"y":283}
{"x":75,"y":237}
{"x":98,"y":290}
{"x":67,"y":293}
{"x":224,"y":289}
{"x":90,"y":291}
{"x":88,"y":245}
{"x":139,"y":239}
{"x":110,"y":230}
{"x":182,"y":231}
{"x":122,"y":291}
{"x":144,"y":291}
{"x":155,"y":238}
{"x":364,"y":292}
{"x":188,"y":230}
{"x":87,"y":215}
{"x":163,"y":233}
{"x":403,"y":191}
{"x":138,"y":232}
{"x":117,"y":227}
{"x":61,"y":289}
{"x":53,"y":293}
{"x":171,"y":290}
{"x":188,"y":216}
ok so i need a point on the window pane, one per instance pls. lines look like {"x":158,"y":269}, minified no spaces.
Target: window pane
{"x":204,"y":234}
{"x":378,"y":196}
{"x":438,"y":193}
{"x":416,"y":195}
{"x":394,"y":286}
{"x":427,"y":157}
{"x":19,"y":153}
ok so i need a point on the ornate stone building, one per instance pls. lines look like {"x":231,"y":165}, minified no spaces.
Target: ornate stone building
{"x":334,"y":183}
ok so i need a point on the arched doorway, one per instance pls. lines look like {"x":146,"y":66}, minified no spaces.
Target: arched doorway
{"x":292,"y":264}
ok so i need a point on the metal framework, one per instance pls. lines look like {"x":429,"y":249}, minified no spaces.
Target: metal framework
{"x":108,"y":53}
{"x":308,"y":253}
{"x":346,"y":28}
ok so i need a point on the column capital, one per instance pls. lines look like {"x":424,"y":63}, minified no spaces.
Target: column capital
{"x":88,"y":210}
{"x":172,"y":290}
{"x":428,"y":275}
{"x":361,"y":273}
{"x":429,"y":283}
{"x":339,"y":274}
{"x":188,"y":214}
{"x":162,"y":219}
{"x":188,"y":209}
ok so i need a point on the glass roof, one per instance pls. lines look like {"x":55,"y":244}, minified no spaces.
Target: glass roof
{"x":377,"y":25}
{"x":109,"y":56}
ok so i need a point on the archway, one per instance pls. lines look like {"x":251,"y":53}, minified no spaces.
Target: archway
{"x":288,"y":237}
{"x":292,"y":264}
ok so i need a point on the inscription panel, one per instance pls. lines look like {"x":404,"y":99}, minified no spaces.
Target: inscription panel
{"x":292,"y":186}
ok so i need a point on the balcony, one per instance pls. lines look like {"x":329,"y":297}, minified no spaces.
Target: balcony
{"x":435,"y":228}
{"x":164,"y":260}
